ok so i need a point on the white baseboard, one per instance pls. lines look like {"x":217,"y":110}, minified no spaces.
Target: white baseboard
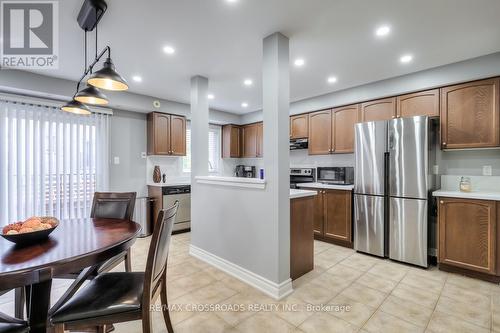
{"x":275,"y":290}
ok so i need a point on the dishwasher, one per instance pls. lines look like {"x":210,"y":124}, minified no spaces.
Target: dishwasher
{"x":182,"y":193}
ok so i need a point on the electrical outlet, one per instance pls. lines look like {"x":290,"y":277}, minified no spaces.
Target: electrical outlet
{"x":116,"y":160}
{"x":143,"y":154}
{"x":487,"y":170}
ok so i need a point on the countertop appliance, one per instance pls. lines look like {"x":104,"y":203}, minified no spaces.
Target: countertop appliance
{"x":296,"y":144}
{"x":302,"y":175}
{"x":245,"y":171}
{"x":392,"y":186}
{"x":336,"y":175}
{"x":183,"y":194}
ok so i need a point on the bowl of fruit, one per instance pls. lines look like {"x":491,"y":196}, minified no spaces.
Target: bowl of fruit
{"x":30,"y":231}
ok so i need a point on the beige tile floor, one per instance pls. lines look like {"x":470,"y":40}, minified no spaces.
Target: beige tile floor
{"x":346,"y":292}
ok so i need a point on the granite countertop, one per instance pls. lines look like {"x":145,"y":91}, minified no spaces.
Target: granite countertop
{"x":294,"y":193}
{"x":481,"y":195}
{"x":327,"y":186}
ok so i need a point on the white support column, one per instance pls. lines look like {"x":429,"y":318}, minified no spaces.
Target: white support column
{"x":199,"y":143}
{"x":276,"y":104}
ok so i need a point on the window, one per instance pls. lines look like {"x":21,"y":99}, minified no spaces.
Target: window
{"x":214,"y":149}
{"x":55,"y":161}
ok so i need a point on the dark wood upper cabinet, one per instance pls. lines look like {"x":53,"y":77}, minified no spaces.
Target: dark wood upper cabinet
{"x":159,"y":133}
{"x":382,"y":109}
{"x":344,"y":119}
{"x":470,"y":115}
{"x":468,"y":234}
{"x":260,"y":139}
{"x":177,"y":135}
{"x":252,"y":136}
{"x":166,"y":134}
{"x":299,"y":126}
{"x":231,"y":141}
{"x":424,"y":103}
{"x":320,"y":132}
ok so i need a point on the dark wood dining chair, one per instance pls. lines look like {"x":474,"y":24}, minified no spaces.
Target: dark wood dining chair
{"x":124,"y":296}
{"x":105,"y":205}
{"x":12,"y":325}
{"x":109,"y":205}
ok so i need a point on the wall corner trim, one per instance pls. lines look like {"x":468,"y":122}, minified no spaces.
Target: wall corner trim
{"x":276,"y":290}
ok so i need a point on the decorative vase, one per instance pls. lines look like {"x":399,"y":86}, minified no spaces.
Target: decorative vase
{"x":157,"y":174}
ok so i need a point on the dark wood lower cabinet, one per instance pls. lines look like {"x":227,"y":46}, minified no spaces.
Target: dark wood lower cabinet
{"x":469,"y":237}
{"x":333,"y":216}
{"x":301,"y":236}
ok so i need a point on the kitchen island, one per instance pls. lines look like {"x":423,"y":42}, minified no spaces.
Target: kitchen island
{"x":301,"y":232}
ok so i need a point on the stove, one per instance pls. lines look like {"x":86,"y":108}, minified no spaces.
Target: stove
{"x":302,"y":175}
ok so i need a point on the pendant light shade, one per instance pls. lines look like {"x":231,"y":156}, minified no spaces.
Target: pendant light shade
{"x":76,"y":107}
{"x":91,"y":95}
{"x":107,"y":78}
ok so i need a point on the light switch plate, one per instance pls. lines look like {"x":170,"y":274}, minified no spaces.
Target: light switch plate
{"x":487,"y":170}
{"x":116,"y":160}
{"x":143,"y":154}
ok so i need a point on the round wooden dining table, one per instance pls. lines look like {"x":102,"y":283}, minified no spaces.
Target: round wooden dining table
{"x":73,"y":246}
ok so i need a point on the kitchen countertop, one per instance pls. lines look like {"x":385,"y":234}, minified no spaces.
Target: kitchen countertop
{"x":294,"y":193}
{"x":327,"y":186}
{"x":482,"y":195}
{"x":172,"y":182}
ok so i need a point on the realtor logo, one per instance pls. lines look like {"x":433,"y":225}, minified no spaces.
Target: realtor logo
{"x":30,"y":34}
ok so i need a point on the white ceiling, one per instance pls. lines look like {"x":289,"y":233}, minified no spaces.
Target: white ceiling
{"x":223,"y":41}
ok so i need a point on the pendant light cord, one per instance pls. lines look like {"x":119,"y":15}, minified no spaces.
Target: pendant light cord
{"x":97,"y":24}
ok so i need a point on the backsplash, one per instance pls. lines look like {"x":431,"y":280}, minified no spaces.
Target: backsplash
{"x":479,"y":183}
{"x":301,"y":159}
{"x":173,"y":169}
{"x":469,"y":162}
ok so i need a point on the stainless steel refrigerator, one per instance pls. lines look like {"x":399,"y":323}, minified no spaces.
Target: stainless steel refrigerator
{"x":392,"y":185}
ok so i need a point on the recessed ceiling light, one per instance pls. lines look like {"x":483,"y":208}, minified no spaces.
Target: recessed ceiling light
{"x":248,"y":82}
{"x":244,"y":105}
{"x":168,"y":49}
{"x":210,"y":96}
{"x":137,"y":78}
{"x":332,"y":79}
{"x":299,"y":62}
{"x":232,"y":1}
{"x":382,"y":31}
{"x":406,"y":58}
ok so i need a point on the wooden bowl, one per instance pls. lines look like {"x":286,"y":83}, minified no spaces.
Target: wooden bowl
{"x":30,"y":238}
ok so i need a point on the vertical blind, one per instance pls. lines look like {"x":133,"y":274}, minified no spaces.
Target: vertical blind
{"x":51,"y":162}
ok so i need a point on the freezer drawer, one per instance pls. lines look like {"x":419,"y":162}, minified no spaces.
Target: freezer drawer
{"x":408,"y":141}
{"x":408,"y":231}
{"x":369,"y":227}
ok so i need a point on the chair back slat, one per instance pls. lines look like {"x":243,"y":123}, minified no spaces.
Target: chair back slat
{"x":110,"y":205}
{"x":160,"y":243}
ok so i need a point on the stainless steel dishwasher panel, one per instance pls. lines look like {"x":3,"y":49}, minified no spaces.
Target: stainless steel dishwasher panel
{"x":183,"y":218}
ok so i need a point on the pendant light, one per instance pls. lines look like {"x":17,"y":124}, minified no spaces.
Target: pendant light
{"x":91,"y":95}
{"x":76,"y":107}
{"x":107,"y":78}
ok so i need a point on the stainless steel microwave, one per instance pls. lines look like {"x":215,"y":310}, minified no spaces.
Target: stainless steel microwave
{"x":336,"y":175}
